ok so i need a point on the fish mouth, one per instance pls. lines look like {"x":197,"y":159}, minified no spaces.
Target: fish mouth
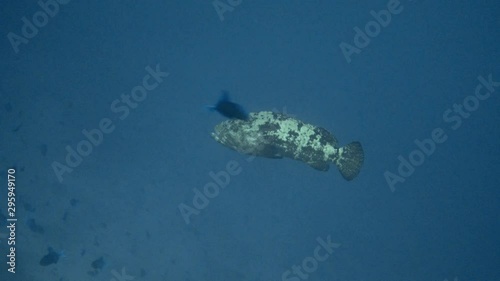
{"x":216,"y":137}
{"x":224,"y":136}
{"x":219,"y":133}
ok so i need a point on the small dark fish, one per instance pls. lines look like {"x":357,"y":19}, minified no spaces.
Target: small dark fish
{"x":33,"y":226}
{"x":74,"y":202}
{"x":98,"y":264}
{"x":50,"y":258}
{"x":28,"y":207}
{"x":43,"y":149}
{"x":229,"y":109}
{"x":17,"y":128}
{"x":8,"y":107}
{"x":65,"y":216}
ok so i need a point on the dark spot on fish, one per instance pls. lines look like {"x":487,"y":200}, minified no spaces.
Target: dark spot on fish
{"x":325,"y":136}
{"x":324,"y":140}
{"x":309,"y":154}
{"x":269,"y":127}
{"x":33,"y":226}
{"x":50,"y":258}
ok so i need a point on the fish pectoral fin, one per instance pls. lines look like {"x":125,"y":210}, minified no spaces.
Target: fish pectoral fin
{"x":271,"y":151}
{"x":320,"y":166}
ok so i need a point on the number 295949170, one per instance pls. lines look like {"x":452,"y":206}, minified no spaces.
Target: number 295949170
{"x":11,"y":195}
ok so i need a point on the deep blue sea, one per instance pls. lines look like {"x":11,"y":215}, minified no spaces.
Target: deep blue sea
{"x":108,"y":170}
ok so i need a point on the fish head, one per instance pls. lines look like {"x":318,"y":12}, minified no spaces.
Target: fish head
{"x":240,"y":136}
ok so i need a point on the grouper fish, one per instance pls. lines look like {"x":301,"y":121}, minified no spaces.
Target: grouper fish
{"x":275,"y":135}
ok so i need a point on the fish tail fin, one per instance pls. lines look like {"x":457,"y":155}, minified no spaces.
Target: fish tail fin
{"x":210,"y":107}
{"x":350,"y":160}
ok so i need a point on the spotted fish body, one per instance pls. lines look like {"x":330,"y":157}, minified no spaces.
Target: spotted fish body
{"x":275,"y":135}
